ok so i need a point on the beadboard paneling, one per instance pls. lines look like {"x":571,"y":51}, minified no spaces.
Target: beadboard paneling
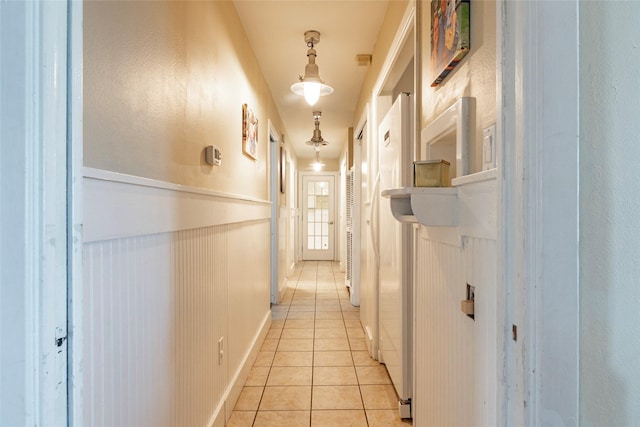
{"x":455,"y":356}
{"x":155,"y":306}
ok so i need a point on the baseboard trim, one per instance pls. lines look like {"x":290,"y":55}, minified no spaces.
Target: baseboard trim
{"x":236,"y":383}
{"x":223,"y":410}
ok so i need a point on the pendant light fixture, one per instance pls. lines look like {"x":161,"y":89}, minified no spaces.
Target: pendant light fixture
{"x":311,"y":85}
{"x":317,"y":141}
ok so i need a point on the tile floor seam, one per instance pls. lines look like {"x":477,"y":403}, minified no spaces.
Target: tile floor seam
{"x":363,"y":405}
{"x":296,"y":297}
{"x":313,"y":348}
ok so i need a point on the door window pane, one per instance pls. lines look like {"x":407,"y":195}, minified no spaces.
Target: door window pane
{"x":318,"y":215}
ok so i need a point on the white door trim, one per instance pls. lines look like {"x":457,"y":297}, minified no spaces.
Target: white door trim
{"x":35,"y":209}
{"x":537,"y":130}
{"x":75,"y":213}
{"x":274,"y":196}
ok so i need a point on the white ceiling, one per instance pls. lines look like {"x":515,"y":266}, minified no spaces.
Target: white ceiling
{"x":276,"y":32}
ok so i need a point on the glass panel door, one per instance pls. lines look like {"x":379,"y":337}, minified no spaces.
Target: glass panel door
{"x":318,"y":217}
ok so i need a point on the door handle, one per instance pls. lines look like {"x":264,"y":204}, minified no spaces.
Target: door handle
{"x":330,"y":222}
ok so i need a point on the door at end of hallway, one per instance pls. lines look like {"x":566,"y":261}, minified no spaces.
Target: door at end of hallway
{"x":318,"y":217}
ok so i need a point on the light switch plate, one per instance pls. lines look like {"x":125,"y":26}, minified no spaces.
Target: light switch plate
{"x":489,"y":148}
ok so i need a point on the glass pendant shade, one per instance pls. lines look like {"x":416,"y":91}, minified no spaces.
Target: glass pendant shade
{"x":311,"y":85}
{"x":317,"y":165}
{"x":311,"y":92}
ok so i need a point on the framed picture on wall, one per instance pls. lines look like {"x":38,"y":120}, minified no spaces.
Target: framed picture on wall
{"x":283,"y":170}
{"x":249,"y":132}
{"x":450,"y":40}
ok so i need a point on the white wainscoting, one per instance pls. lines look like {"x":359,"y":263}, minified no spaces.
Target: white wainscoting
{"x":455,"y":365}
{"x":160,"y":295}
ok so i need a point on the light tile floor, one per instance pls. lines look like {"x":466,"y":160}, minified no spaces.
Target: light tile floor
{"x":314,"y":368}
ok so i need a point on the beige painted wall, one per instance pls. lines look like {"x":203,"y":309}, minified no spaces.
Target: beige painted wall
{"x":475,"y":76}
{"x":392,"y":19}
{"x":162,"y":80}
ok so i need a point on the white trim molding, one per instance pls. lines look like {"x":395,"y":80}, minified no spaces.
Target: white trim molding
{"x":75,"y":211}
{"x":33,"y":212}
{"x":459,"y":118}
{"x":537,"y":157}
{"x":119,"y":205}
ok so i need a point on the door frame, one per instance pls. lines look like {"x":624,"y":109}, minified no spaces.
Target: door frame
{"x":336,"y":201}
{"x":538,"y":249}
{"x":44,"y":224}
{"x":75,"y":212}
{"x":274,"y":196}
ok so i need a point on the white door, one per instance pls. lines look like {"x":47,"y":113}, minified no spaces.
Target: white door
{"x":318,"y":206}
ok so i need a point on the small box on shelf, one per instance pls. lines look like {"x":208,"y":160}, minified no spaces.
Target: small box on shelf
{"x":431,"y":173}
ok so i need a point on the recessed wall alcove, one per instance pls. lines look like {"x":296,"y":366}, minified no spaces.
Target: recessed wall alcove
{"x":450,"y":137}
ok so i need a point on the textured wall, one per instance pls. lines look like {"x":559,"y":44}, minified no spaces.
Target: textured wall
{"x":392,"y":19}
{"x":609,"y":221}
{"x":475,"y":76}
{"x":164,"y":79}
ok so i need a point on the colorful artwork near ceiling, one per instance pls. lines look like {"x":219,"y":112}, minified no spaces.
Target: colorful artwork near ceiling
{"x":450,"y":40}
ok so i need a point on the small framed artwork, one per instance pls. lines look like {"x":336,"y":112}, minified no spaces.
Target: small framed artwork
{"x":249,"y":132}
{"x":450,"y":40}
{"x":283,"y":170}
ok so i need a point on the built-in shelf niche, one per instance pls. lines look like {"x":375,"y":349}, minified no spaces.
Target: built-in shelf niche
{"x":450,"y":137}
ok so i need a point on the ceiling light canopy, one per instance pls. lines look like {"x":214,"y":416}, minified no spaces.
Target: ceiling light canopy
{"x":311,"y":85}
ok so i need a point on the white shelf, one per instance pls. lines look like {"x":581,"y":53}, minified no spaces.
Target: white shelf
{"x":488,"y":175}
{"x":430,"y":206}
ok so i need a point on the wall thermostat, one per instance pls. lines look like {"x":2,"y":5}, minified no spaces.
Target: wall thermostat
{"x":213,"y":156}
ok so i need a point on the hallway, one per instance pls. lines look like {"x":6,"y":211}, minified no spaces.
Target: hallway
{"x":313,"y":368}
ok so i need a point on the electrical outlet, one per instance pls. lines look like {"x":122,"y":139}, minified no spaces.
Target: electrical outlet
{"x":220,"y":350}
